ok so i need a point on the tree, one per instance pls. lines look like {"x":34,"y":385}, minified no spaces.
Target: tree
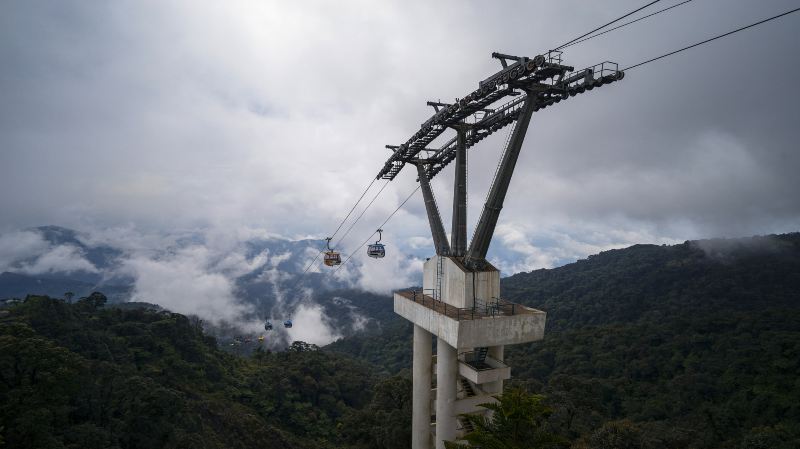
{"x":614,"y":435}
{"x":519,"y":420}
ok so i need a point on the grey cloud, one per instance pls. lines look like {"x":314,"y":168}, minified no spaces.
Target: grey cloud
{"x":187,"y":115}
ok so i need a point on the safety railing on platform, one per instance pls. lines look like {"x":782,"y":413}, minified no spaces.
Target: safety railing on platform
{"x":481,"y":309}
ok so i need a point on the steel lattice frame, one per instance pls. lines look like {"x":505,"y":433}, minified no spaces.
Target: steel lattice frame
{"x":543,"y":76}
{"x":527,"y":85}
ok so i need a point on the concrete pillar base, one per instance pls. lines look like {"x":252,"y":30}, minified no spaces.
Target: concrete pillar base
{"x":421,"y":406}
{"x":446,"y":376}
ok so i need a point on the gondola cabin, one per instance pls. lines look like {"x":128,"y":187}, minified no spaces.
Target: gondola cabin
{"x":268,"y":326}
{"x":287,"y":324}
{"x":332,"y":258}
{"x":376,"y":251}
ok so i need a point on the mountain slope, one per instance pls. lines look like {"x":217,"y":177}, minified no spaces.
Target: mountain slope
{"x":81,"y":375}
{"x":698,"y":344}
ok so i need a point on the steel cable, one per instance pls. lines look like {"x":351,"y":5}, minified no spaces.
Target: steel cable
{"x":379,"y":227}
{"x":308,"y":267}
{"x":609,"y":23}
{"x":627,"y":23}
{"x":709,"y":40}
{"x":362,"y":214}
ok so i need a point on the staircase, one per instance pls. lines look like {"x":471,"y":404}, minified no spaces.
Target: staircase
{"x":477,"y":359}
{"x":466,"y":426}
{"x":467,"y":387}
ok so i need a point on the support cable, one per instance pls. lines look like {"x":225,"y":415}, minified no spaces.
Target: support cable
{"x":308,"y":267}
{"x":354,"y":207}
{"x":379,"y":227}
{"x":361,"y":214}
{"x":609,"y":23}
{"x":625,"y":24}
{"x":709,"y":40}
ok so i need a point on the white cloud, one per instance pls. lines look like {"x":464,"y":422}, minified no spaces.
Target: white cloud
{"x":59,"y":259}
{"x":309,"y":324}
{"x":268,"y":115}
{"x":20,"y":245}
{"x":184,"y":282}
{"x":526,"y":248}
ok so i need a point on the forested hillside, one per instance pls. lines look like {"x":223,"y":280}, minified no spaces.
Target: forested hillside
{"x":86,"y":376}
{"x":697,"y":345}
{"x":651,"y":347}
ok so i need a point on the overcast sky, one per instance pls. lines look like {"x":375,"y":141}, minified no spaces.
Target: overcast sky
{"x":273,"y":115}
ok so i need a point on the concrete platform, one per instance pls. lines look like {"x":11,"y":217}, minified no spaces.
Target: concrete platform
{"x":497,"y":371}
{"x":465,"y":329}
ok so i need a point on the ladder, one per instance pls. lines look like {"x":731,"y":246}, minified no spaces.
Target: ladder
{"x":437,"y":293}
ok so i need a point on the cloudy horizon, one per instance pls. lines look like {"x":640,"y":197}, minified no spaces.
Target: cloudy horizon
{"x":159,"y":119}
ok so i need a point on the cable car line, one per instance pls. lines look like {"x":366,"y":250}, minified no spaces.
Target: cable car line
{"x":711,"y":39}
{"x":353,"y":208}
{"x":308,"y":267}
{"x":609,"y":23}
{"x":626,"y":24}
{"x":361,"y":215}
{"x":380,"y":227}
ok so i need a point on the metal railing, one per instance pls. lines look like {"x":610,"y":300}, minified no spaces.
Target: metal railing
{"x":481,"y":309}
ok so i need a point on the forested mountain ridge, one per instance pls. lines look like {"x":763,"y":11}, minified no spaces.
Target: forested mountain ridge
{"x":650,"y":347}
{"x":618,"y":286}
{"x":695,"y":345}
{"x":86,"y":376}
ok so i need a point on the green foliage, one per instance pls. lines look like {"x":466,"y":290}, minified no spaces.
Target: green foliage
{"x":695,"y":345}
{"x":386,"y":422}
{"x":518,"y":420}
{"x":83,"y":376}
{"x":614,"y":435}
{"x":653,"y":347}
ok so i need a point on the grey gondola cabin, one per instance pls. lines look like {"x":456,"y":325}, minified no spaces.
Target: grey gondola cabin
{"x":377,"y":250}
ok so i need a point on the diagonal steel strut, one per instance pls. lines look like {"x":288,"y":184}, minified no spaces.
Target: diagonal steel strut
{"x":476,"y":256}
{"x":435,"y":220}
{"x":458,"y":234}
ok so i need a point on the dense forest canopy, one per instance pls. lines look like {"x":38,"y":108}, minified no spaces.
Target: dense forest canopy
{"x":687,"y":346}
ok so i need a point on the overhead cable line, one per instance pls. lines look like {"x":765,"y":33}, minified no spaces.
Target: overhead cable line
{"x":361,"y":215}
{"x":609,"y":23}
{"x":379,"y":227}
{"x":336,"y":231}
{"x":354,"y":207}
{"x":626,"y":24}
{"x":711,"y":39}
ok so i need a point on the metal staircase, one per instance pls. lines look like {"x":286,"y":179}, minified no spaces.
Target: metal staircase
{"x":467,"y":388}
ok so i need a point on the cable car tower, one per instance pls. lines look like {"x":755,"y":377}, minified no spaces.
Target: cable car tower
{"x":460,"y":301}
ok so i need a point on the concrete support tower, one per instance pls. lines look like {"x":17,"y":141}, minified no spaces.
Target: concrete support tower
{"x":471,"y":332}
{"x":460,"y":300}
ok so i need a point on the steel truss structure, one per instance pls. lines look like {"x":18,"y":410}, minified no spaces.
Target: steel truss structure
{"x":521,"y":87}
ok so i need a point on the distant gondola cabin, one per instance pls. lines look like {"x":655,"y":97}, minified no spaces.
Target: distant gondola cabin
{"x":287,"y":323}
{"x":332,"y":258}
{"x":376,"y":250}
